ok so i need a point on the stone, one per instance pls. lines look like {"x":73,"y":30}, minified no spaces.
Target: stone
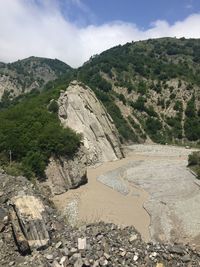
{"x":73,"y":250}
{"x":49,"y":257}
{"x":56,"y":264}
{"x":176,"y":249}
{"x":66,"y":173}
{"x":58,"y":245}
{"x":82,"y":243}
{"x":186,"y":258}
{"x":154,"y":254}
{"x":29,"y":223}
{"x":64,"y":261}
{"x":135,"y":258}
{"x":160,"y":265}
{"x":11,"y":263}
{"x":80,"y":110}
{"x":107,"y":256}
{"x":123,"y":253}
{"x":78,"y":263}
{"x":133,"y":238}
{"x":2,"y":227}
{"x":103,"y":262}
{"x":1,"y":193}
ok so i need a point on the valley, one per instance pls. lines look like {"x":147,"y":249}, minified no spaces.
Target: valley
{"x":151,"y":189}
{"x":99,"y":164}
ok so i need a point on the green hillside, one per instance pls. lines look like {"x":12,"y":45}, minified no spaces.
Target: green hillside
{"x":153,"y":85}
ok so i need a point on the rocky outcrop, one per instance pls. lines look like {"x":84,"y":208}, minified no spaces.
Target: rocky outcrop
{"x":80,"y":110}
{"x":67,"y":173}
{"x":23,"y":207}
{"x":29,"y":223}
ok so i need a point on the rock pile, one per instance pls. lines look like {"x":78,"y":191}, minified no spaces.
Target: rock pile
{"x":109,"y":245}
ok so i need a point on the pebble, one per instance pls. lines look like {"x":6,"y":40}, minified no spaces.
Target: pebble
{"x":78,"y":263}
{"x":133,"y":238}
{"x":107,"y":256}
{"x":185,"y":258}
{"x":82,"y":243}
{"x":58,"y":245}
{"x":135,"y":258}
{"x":49,"y":257}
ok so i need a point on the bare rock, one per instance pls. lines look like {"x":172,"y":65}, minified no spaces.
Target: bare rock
{"x":80,"y":110}
{"x":67,"y":173}
{"x":29,"y":223}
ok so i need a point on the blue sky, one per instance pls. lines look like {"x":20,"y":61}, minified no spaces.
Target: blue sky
{"x":142,"y":12}
{"x":74,"y":30}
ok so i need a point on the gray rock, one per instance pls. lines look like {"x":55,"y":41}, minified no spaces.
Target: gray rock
{"x":58,"y":245}
{"x":29,"y":222}
{"x":133,"y":238}
{"x":176,"y":249}
{"x":186,"y":258}
{"x":80,"y":110}
{"x":67,"y":173}
{"x":49,"y":257}
{"x":78,"y":263}
{"x":107,"y":256}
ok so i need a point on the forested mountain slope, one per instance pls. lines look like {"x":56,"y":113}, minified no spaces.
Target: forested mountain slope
{"x":28,"y":74}
{"x":150,"y":88}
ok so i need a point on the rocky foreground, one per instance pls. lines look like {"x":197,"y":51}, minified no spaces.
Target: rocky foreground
{"x":33,"y":234}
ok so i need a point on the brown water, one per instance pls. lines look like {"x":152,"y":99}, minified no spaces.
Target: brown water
{"x":98,"y":202}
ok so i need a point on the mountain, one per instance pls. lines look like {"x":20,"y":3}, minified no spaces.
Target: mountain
{"x":28,"y":74}
{"x":150,"y":88}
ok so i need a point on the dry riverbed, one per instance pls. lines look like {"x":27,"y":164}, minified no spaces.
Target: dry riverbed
{"x":151,"y":189}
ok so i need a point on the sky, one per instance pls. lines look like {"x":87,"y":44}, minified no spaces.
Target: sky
{"x":75,"y":30}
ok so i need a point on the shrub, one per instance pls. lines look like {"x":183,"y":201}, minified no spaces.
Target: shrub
{"x":194,"y":159}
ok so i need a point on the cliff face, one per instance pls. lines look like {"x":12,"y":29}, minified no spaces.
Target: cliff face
{"x":67,"y":173}
{"x":80,"y":110}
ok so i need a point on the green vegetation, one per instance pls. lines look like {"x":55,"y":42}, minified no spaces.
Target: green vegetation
{"x":194,"y":162}
{"x":153,"y":82}
{"x":192,"y":121}
{"x":31,"y":131}
{"x":126,"y":133}
{"x":162,"y":73}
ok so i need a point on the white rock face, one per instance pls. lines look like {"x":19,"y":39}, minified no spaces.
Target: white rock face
{"x":80,"y":110}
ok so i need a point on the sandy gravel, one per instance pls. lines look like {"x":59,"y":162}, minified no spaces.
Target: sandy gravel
{"x":151,"y":189}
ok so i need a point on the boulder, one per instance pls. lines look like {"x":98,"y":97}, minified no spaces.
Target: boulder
{"x":27,"y":214}
{"x":67,"y":173}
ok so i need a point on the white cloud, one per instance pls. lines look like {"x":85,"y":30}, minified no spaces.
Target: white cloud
{"x":26,"y":29}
